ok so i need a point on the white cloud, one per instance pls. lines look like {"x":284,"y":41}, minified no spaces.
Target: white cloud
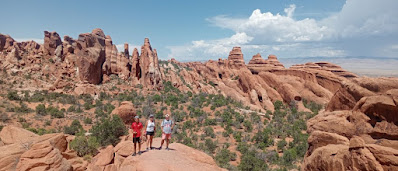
{"x":361,"y":28}
{"x":40,"y":41}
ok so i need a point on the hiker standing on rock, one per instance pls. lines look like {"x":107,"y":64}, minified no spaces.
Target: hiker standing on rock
{"x":137,"y":129}
{"x":150,"y":132}
{"x":167,"y":127}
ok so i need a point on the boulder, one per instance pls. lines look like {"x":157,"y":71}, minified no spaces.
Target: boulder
{"x":104,"y":157}
{"x":124,"y":148}
{"x":43,"y":156}
{"x":126,"y":111}
{"x":12,"y":134}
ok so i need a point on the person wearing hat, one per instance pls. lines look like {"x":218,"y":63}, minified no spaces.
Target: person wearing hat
{"x":167,"y":127}
{"x":150,"y":132}
{"x":136,"y":127}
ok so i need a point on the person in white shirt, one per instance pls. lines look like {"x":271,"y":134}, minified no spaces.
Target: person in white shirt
{"x":150,"y":132}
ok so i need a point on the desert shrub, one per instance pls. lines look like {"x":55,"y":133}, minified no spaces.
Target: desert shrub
{"x":281,"y":144}
{"x":88,"y":120}
{"x":210,"y":146}
{"x":223,"y":157}
{"x":99,"y":113}
{"x":4,"y":117}
{"x":209,"y":122}
{"x":278,"y":105}
{"x":13,"y":95}
{"x":108,"y":130}
{"x":289,"y":156}
{"x":314,"y":107}
{"x":250,"y":162}
{"x":48,"y":122}
{"x":1,"y":127}
{"x":74,"y":128}
{"x":54,"y":112}
{"x":71,"y":109}
{"x":41,"y":110}
{"x":84,"y":146}
{"x":23,"y":108}
{"x":187,"y":141}
{"x":209,"y":132}
{"x":88,"y":105}
{"x":261,"y":139}
{"x":238,"y":136}
{"x":188,"y":125}
{"x":108,"y":108}
{"x":41,"y":131}
{"x":248,"y":126}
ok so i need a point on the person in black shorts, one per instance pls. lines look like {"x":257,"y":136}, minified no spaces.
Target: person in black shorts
{"x":150,"y":132}
{"x":137,"y":129}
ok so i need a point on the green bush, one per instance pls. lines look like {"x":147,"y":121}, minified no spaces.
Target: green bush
{"x":209,"y":122}
{"x":278,"y":105}
{"x":88,"y":120}
{"x":108,"y":130}
{"x":84,"y":146}
{"x":71,"y":108}
{"x":248,"y":126}
{"x":223,"y":157}
{"x":289,"y":156}
{"x":41,"y":110}
{"x":54,"y":112}
{"x":209,"y":132}
{"x":281,"y":144}
{"x":74,"y":128}
{"x":13,"y":95}
{"x":250,"y":162}
{"x":210,"y":146}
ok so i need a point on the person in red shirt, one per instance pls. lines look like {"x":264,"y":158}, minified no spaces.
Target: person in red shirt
{"x":136,"y":127}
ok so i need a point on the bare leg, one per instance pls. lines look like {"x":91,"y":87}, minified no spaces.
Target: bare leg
{"x":135,"y":145}
{"x":161,"y":144}
{"x":167,"y":143}
{"x":139,"y":147}
{"x":150,"y":143}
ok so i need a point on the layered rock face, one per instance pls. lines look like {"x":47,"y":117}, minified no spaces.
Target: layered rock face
{"x":235,"y":58}
{"x":358,"y":130}
{"x":257,"y":64}
{"x":51,"y":43}
{"x":327,"y":67}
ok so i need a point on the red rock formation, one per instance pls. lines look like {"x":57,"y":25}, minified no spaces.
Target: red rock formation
{"x":126,"y":50}
{"x":369,"y":122}
{"x":91,"y":56}
{"x":235,"y":58}
{"x":326,"y":66}
{"x":150,"y":72}
{"x":6,"y":42}
{"x":51,"y":42}
{"x":257,"y":64}
{"x":135,"y":65}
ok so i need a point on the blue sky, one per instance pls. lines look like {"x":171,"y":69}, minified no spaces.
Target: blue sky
{"x":201,"y":30}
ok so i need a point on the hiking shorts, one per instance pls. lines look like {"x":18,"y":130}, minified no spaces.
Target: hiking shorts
{"x":150,"y":133}
{"x":136,"y":139}
{"x":166,"y":136}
